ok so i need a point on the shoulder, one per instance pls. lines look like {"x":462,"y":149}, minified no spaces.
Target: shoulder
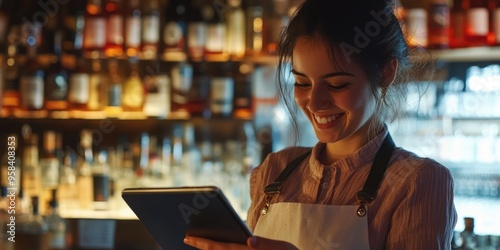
{"x":275,"y":162}
{"x":408,"y":166}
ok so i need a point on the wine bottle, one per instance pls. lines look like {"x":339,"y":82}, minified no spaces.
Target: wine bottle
{"x":94,"y":35}
{"x":114,"y":28}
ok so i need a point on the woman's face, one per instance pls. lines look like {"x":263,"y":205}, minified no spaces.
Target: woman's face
{"x":338,"y":101}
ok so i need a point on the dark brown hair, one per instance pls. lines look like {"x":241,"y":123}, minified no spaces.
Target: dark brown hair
{"x":360,"y":31}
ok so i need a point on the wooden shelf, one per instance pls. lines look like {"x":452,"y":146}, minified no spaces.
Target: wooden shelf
{"x":475,"y":54}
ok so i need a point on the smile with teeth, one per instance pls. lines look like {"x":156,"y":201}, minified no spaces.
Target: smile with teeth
{"x":326,"y":119}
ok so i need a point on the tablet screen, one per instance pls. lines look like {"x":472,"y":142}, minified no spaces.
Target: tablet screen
{"x":171,"y":213}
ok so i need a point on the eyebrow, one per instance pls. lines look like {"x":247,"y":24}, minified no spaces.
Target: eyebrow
{"x":340,"y":73}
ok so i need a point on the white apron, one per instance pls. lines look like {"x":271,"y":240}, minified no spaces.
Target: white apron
{"x":338,"y":227}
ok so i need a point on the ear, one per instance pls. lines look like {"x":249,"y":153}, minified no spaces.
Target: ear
{"x":389,"y":73}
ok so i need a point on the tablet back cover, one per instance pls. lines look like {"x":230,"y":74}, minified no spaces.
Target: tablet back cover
{"x":171,"y":213}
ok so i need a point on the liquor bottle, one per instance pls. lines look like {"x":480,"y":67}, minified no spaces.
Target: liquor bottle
{"x":133,"y":28}
{"x":469,"y":237}
{"x":157,"y":86}
{"x":175,"y":30}
{"x":277,"y":20}
{"x":222,"y":93}
{"x":457,"y":24}
{"x":56,"y":81}
{"x":84,"y":173}
{"x":73,"y":14}
{"x":114,"y":88}
{"x":416,"y":25}
{"x":68,"y":190}
{"x":114,"y":28}
{"x":56,"y":224}
{"x":133,"y":90}
{"x":182,"y":80}
{"x":216,"y":31}
{"x":439,"y":25}
{"x":191,"y":155}
{"x":235,"y":20}
{"x":94,"y":35}
{"x":97,"y":87}
{"x":32,"y":175}
{"x":243,"y":92}
{"x":33,"y":232}
{"x":78,"y":94}
{"x":4,"y":19}
{"x":199,"y":93}
{"x":196,"y":31}
{"x":31,"y":82}
{"x":495,"y":23}
{"x":11,"y":95}
{"x":477,"y":22}
{"x":254,"y":28}
{"x":49,"y":163}
{"x":150,"y":29}
{"x":100,"y":181}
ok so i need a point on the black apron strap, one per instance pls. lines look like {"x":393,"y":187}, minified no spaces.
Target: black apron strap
{"x":380,"y":163}
{"x":275,"y":186}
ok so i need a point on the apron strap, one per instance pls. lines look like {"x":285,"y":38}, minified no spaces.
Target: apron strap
{"x":275,"y":187}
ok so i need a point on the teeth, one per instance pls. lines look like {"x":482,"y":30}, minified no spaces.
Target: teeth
{"x":325,"y":120}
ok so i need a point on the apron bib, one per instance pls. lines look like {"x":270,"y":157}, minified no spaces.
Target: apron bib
{"x":318,"y":226}
{"x":315,"y":227}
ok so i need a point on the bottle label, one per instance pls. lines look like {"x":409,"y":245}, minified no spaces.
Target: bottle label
{"x":32,"y":91}
{"x":114,"y":29}
{"x":133,"y":32}
{"x":79,"y":88}
{"x":57,"y":87}
{"x":197,"y":33}
{"x":496,"y":24}
{"x":157,"y":101}
{"x":50,"y":172}
{"x":221,"y":96}
{"x":95,"y":32}
{"x":477,"y":19}
{"x":95,"y":84}
{"x":115,"y":95}
{"x":439,"y":24}
{"x":216,"y":38}
{"x":133,"y":93}
{"x":150,"y":29}
{"x":417,"y":27}
{"x":173,"y":35}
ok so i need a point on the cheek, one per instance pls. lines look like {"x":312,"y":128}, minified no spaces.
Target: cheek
{"x":300,"y":99}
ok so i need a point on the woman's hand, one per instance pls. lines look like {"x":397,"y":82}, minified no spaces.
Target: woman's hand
{"x":254,"y":242}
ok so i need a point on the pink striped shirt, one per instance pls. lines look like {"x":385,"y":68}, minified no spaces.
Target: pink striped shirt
{"x":413,"y":210}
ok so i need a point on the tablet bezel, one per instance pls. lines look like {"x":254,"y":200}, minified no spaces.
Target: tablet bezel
{"x":205,"y":203}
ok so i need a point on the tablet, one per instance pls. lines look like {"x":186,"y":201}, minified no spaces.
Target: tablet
{"x":171,"y":213}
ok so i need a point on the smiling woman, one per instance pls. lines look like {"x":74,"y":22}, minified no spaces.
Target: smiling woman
{"x":364,"y":192}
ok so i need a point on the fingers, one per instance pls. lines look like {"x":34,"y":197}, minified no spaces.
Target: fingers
{"x":206,"y":244}
{"x":260,"y":243}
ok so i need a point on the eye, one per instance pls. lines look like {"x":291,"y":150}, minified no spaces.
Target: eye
{"x":301,"y":85}
{"x":338,"y":87}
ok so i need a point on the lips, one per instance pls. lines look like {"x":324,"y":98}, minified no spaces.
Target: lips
{"x":326,"y":119}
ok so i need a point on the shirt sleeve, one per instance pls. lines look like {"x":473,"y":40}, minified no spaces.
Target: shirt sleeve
{"x":426,"y":217}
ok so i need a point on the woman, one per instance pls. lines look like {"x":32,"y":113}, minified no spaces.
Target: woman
{"x":354,"y":189}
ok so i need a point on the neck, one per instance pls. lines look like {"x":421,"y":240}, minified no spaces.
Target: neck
{"x":340,"y":149}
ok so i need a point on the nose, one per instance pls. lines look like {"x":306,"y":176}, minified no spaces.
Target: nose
{"x":319,"y":98}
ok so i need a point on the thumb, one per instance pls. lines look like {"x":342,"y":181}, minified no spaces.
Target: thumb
{"x":256,"y":242}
